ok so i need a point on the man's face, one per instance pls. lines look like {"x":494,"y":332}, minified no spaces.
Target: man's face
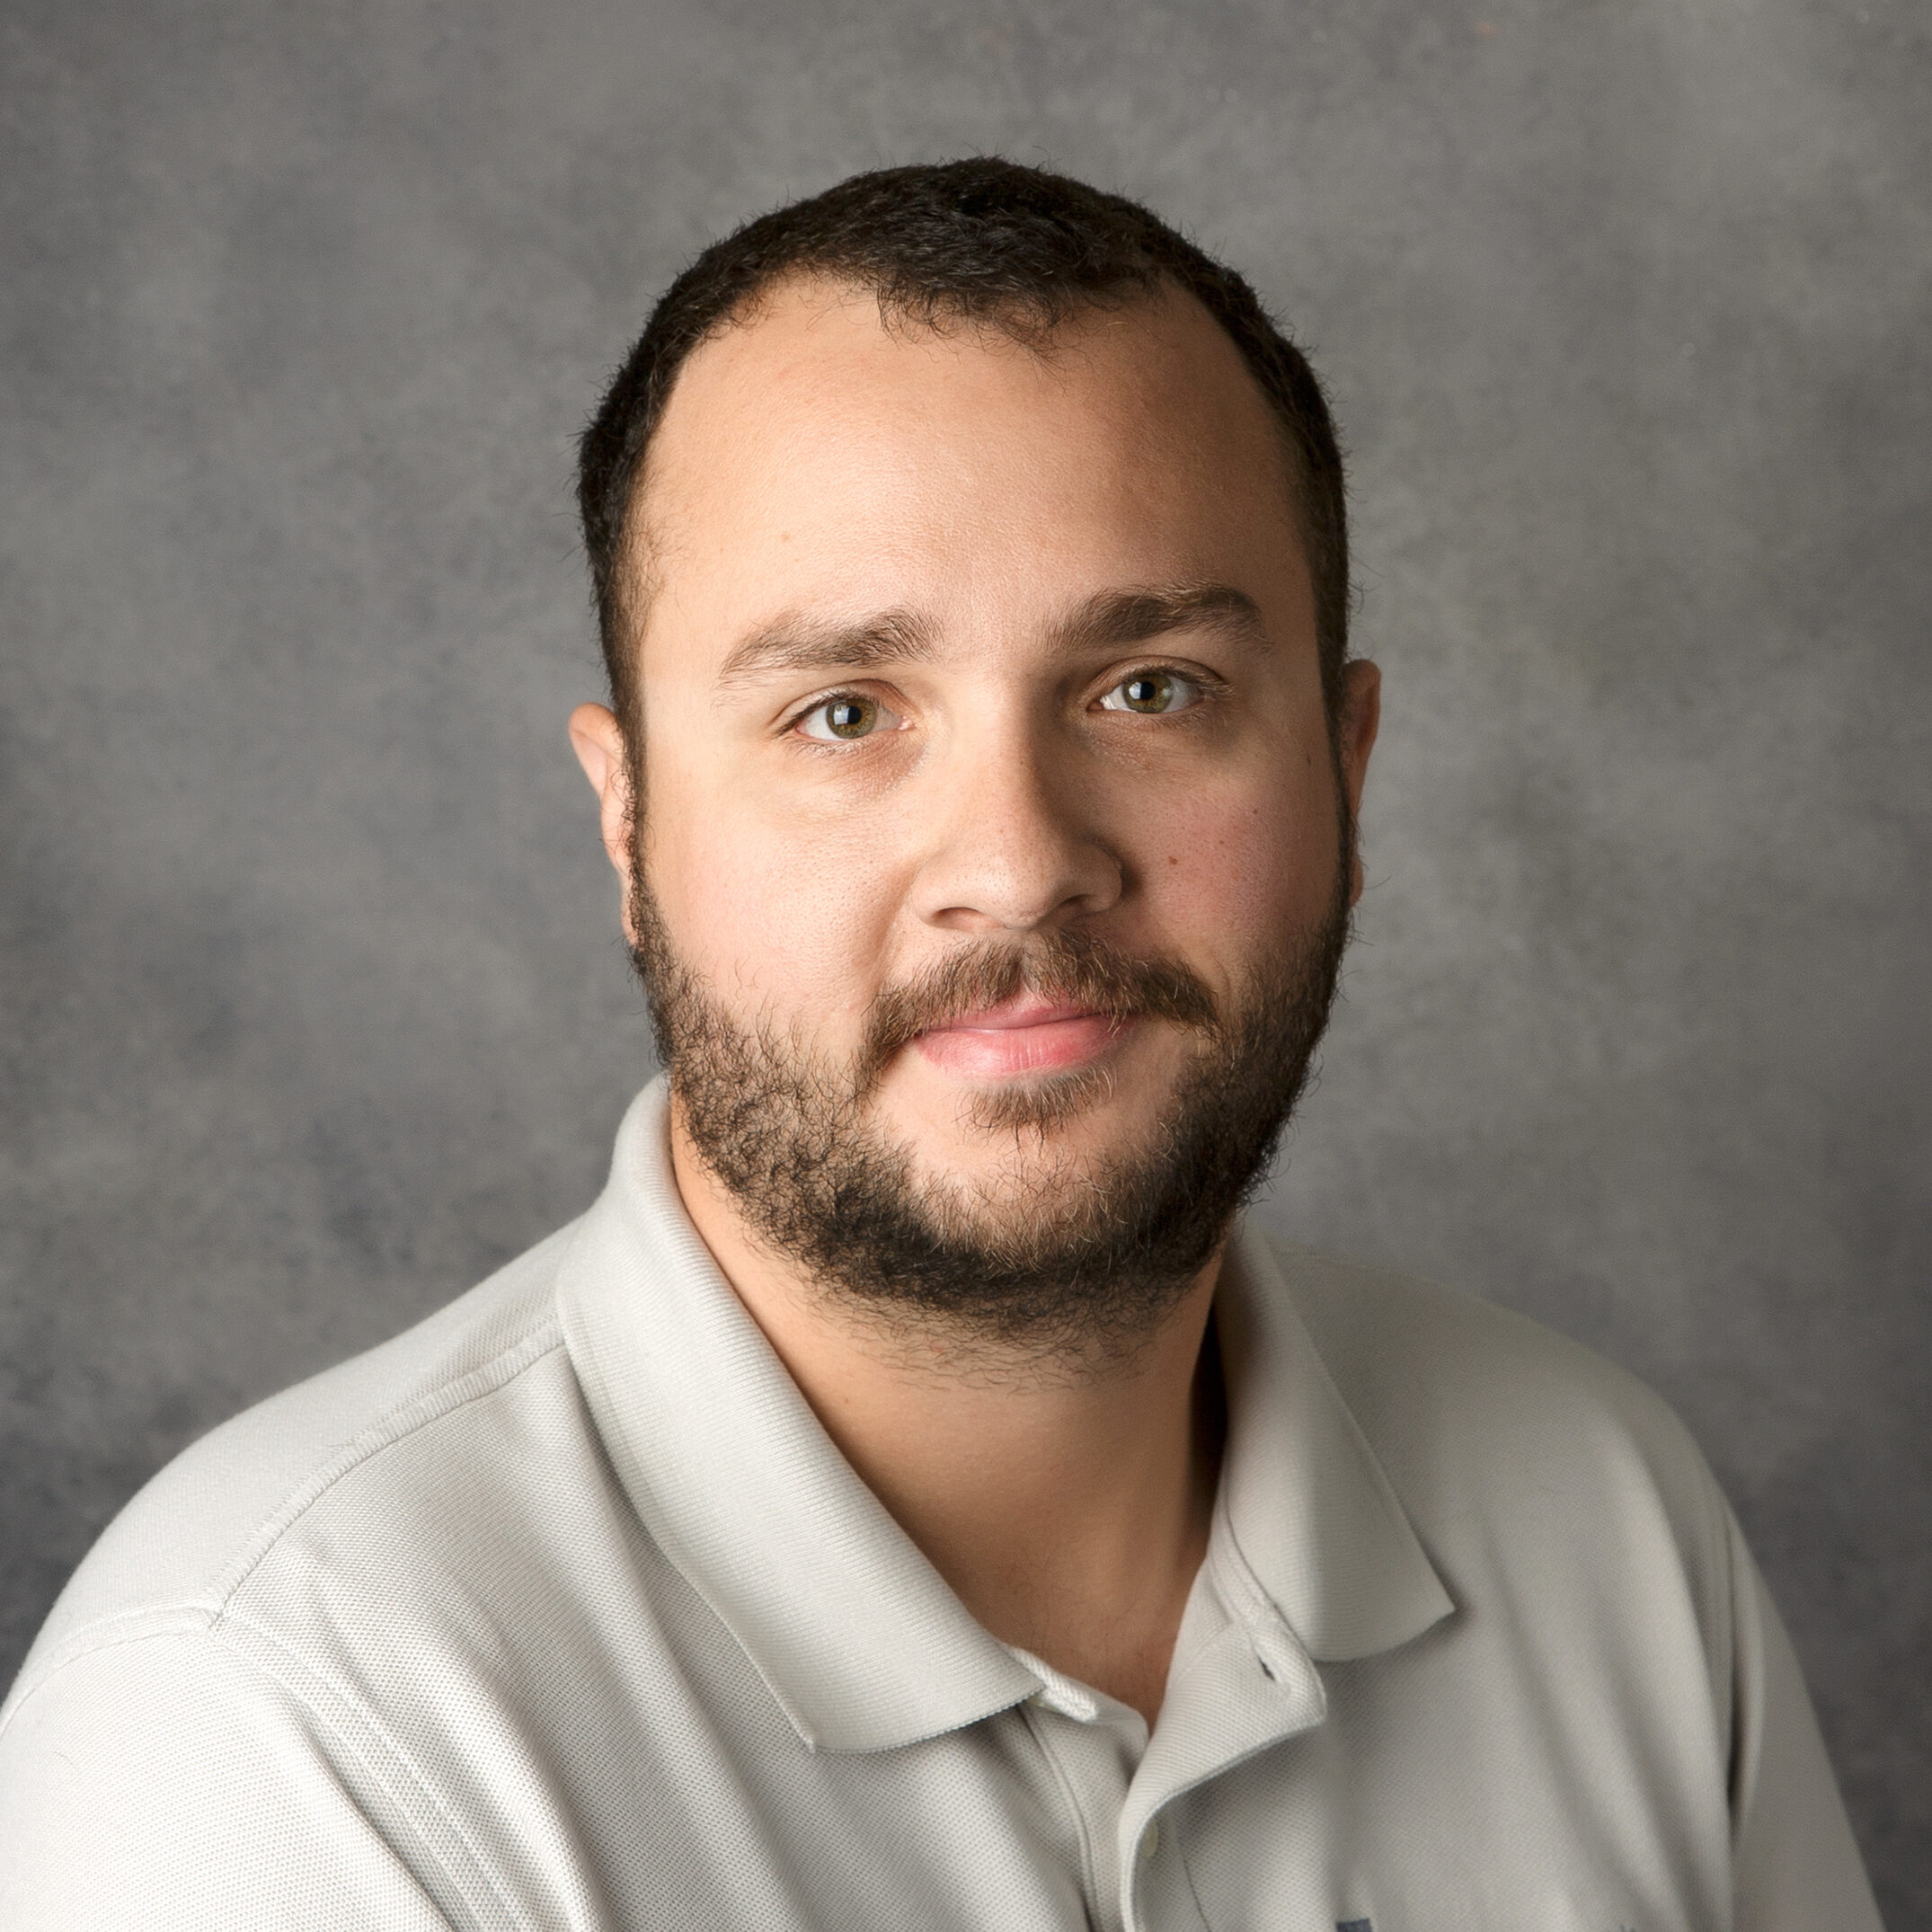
{"x":989,"y":794}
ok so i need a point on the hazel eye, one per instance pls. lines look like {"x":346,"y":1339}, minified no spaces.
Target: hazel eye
{"x":841,"y":718}
{"x":1153,"y":694}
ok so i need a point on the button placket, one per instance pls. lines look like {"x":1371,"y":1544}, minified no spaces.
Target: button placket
{"x":1091,"y":1763}
{"x":1162,"y":1895}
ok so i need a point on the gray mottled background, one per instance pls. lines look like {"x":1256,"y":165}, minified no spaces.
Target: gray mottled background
{"x":314,"y":1006}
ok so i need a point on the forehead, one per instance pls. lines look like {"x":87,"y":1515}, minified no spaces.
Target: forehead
{"x":818,"y":454}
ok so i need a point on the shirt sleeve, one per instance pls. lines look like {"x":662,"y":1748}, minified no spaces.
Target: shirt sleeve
{"x":1796,"y":1864}
{"x":164,"y":1783}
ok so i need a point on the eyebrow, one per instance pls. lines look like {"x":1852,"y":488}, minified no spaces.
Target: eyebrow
{"x":1108,"y":620}
{"x":797,"y":644}
{"x":1113,"y":619}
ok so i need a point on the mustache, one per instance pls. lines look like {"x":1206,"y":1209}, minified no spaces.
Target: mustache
{"x":1076,"y":968}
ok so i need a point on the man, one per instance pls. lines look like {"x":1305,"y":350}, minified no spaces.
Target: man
{"x":909,"y":1496}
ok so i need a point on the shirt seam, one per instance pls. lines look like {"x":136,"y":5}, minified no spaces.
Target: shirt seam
{"x":208,"y":1608}
{"x":396,"y":1427}
{"x":185,"y":1619}
{"x":304,"y":1682}
{"x":200,"y":1623}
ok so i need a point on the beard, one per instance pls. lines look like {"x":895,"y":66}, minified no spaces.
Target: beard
{"x":1062,"y":1255}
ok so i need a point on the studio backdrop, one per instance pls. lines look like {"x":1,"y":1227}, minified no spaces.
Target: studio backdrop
{"x":315,"y":1007}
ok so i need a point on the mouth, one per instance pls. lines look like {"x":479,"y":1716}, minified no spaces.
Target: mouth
{"x":1020,"y":1036}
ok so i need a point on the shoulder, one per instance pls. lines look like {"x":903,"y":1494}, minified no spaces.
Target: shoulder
{"x":175,"y":1556}
{"x":1426,"y":1367}
{"x":1507,"y":1442}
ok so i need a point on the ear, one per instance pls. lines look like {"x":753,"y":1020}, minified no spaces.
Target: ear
{"x":597,"y":738}
{"x":1362,"y":717}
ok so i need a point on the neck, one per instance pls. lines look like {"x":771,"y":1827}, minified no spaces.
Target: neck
{"x":1067,"y":1505}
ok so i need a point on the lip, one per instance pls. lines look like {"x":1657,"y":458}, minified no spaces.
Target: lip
{"x":1024,"y":1035}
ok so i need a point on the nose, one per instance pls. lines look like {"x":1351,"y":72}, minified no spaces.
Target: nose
{"x":1015,"y":846}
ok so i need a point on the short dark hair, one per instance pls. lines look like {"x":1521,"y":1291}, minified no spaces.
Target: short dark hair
{"x":984,"y":239}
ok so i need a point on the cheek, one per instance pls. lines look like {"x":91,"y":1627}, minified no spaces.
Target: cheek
{"x":1243,"y":863}
{"x":792,"y":924}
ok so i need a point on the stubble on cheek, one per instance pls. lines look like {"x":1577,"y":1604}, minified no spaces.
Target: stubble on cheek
{"x":1045,"y":1251}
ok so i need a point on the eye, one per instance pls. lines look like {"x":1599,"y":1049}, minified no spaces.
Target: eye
{"x":844,"y":716}
{"x":1152,"y":693}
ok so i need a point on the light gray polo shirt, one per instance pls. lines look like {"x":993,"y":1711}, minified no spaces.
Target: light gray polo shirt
{"x":561,"y":1611}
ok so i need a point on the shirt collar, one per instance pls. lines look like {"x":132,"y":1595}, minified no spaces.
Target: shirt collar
{"x":1309,"y":1508}
{"x":858,"y":1637}
{"x":860,"y":1640}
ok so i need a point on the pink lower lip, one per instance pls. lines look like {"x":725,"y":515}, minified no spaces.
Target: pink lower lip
{"x":1005,"y":1043}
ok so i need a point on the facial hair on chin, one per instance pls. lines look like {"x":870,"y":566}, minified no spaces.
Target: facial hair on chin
{"x":1075,"y":1258}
